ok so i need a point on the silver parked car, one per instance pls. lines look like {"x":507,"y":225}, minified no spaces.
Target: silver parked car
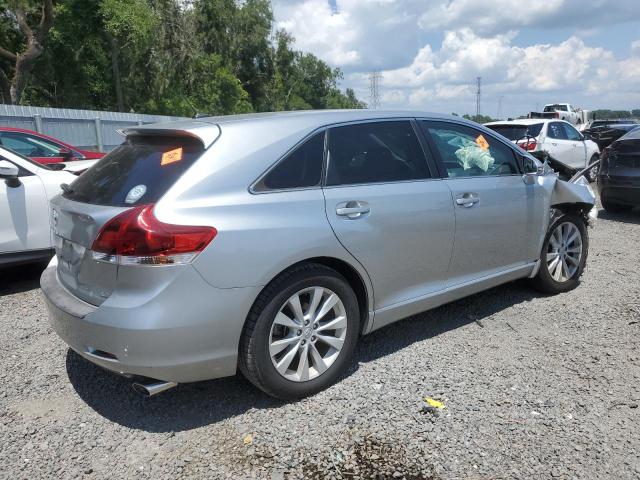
{"x":270,"y":243}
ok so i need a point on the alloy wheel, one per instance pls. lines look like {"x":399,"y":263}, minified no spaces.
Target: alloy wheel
{"x":307,"y":334}
{"x":564,"y":252}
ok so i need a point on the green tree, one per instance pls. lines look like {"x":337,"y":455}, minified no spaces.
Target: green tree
{"x":26,"y":25}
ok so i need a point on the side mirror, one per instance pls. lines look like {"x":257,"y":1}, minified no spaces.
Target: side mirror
{"x":586,"y":136}
{"x":66,"y":154}
{"x":9,"y":172}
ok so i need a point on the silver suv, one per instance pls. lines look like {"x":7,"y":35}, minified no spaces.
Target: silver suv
{"x":270,"y":243}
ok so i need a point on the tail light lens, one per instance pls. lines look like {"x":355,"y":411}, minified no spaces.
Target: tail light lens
{"x":556,"y":115}
{"x":528,"y":145}
{"x":137,"y":237}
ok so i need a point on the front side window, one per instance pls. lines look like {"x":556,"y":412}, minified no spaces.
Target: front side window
{"x":557,"y":131}
{"x":572,"y":133}
{"x":467,"y":152}
{"x":374,"y":152}
{"x":302,"y":168}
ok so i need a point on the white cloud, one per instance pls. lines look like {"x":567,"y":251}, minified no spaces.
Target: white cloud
{"x":431,"y":53}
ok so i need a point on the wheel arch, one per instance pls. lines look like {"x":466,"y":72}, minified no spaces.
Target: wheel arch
{"x":355,"y":279}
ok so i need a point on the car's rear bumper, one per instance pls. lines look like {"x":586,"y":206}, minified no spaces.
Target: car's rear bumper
{"x":185,"y":333}
{"x":620,"y":190}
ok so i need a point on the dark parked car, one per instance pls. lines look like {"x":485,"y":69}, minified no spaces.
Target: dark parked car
{"x":619,"y":174}
{"x":604,"y":134}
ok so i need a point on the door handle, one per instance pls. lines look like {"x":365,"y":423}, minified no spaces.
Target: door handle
{"x":554,"y":144}
{"x":352,"y":209}
{"x":468,"y":200}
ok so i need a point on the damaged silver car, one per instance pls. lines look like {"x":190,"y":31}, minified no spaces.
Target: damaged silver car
{"x":271,"y":243}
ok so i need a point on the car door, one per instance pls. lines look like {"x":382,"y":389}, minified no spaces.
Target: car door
{"x":578,"y":150}
{"x":557,"y":144}
{"x":24,"y":214}
{"x":496,"y":214}
{"x":386,"y":208}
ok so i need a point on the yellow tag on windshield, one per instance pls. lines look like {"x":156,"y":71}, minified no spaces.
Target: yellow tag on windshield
{"x":482,"y":142}
{"x":171,"y":156}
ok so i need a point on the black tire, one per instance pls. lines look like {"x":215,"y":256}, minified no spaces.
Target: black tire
{"x":543,"y":281}
{"x":592,"y":174}
{"x":615,"y":207}
{"x":254,"y":359}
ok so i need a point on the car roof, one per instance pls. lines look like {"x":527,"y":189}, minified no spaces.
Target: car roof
{"x":524,"y":121}
{"x":207,"y":128}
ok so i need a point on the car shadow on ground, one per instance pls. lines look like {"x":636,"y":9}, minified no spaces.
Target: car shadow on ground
{"x":194,"y":405}
{"x":21,"y":278}
{"x":632,"y":216}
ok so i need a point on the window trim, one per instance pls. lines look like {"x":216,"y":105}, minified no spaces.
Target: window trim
{"x":261,"y":177}
{"x":443,"y":171}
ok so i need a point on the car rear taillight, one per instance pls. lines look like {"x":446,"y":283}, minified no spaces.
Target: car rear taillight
{"x":528,"y":145}
{"x":137,"y":237}
{"x":556,"y":115}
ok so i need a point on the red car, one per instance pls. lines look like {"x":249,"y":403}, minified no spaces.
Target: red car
{"x":42,"y":148}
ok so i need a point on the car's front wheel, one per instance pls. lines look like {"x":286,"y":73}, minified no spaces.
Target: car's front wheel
{"x":563,"y":256}
{"x":300,"y":333}
{"x":592,"y":174}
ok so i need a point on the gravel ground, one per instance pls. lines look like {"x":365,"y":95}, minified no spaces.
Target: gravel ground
{"x":534,"y":387}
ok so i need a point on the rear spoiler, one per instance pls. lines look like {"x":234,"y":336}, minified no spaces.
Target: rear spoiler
{"x":205,"y":132}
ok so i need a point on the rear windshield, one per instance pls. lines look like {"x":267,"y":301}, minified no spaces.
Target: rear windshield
{"x":139,"y":171}
{"x":517,"y":132}
{"x":553,"y":108}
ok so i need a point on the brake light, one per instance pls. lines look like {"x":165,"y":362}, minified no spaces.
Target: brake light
{"x":528,"y":145}
{"x":556,"y":115}
{"x":137,"y":237}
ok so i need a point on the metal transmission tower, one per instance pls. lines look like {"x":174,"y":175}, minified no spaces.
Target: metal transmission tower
{"x":374,"y":89}
{"x":478,"y":83}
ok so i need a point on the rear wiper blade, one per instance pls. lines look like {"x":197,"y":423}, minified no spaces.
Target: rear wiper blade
{"x":66,"y":188}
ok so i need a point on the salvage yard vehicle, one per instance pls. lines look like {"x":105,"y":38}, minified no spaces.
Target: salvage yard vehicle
{"x":557,"y":138}
{"x":25,"y":190}
{"x":43,"y":148}
{"x":269,"y":243}
{"x":604,"y":134}
{"x":562,"y":111}
{"x":619,"y":175}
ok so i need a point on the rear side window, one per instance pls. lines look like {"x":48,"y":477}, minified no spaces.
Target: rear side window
{"x":302,"y":168}
{"x":374,"y":152}
{"x":517,"y":132}
{"x":556,"y":130}
{"x":467,"y":152}
{"x":140,"y":170}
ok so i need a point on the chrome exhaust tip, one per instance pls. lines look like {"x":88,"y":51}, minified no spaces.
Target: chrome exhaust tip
{"x":152,"y":388}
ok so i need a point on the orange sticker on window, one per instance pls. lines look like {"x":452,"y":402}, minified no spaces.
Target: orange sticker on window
{"x":482,"y":142}
{"x":171,"y":156}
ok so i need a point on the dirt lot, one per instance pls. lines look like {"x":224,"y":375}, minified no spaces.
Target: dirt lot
{"x":534,"y":387}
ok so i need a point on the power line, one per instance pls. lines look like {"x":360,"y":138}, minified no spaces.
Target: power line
{"x":374,"y":89}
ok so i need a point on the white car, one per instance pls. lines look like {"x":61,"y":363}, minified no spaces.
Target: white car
{"x":25,"y":190}
{"x":558,"y":138}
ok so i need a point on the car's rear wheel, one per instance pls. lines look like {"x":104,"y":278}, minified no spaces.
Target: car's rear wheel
{"x":563,"y":256}
{"x":615,"y":207}
{"x":300,"y":333}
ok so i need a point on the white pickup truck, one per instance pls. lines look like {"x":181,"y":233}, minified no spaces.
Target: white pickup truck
{"x":562,"y":111}
{"x":556,"y":137}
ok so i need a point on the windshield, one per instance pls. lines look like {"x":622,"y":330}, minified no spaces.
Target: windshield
{"x":517,"y":132}
{"x":140,"y":170}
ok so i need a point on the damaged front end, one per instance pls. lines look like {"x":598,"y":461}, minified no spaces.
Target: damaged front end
{"x":574,"y":195}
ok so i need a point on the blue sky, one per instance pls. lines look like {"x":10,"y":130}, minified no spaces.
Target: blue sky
{"x":586,"y":52}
